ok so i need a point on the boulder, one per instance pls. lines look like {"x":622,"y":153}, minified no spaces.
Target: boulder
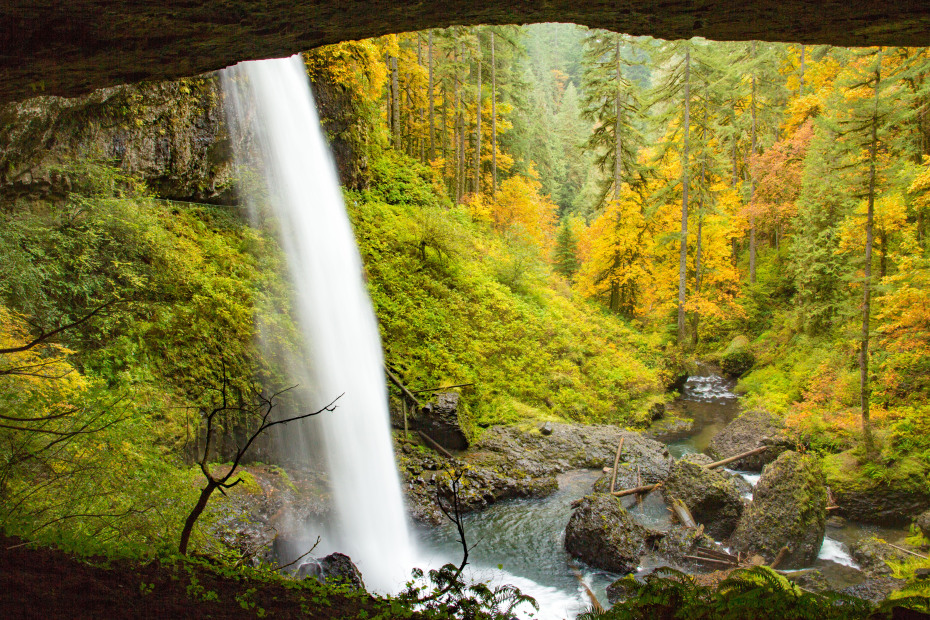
{"x":680,"y":541}
{"x":747,"y":432}
{"x":711,"y":496}
{"x":440,"y":420}
{"x":336,"y":568}
{"x":789,"y":509}
{"x":873,"y":554}
{"x":738,"y":357}
{"x":603,"y":535}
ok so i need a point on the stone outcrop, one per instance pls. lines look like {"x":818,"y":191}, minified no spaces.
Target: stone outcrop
{"x":56,"y":48}
{"x":748,"y":431}
{"x":421,"y":470}
{"x":572,"y":446}
{"x":603,"y":535}
{"x":711,"y":496}
{"x":788,"y":510}
{"x":900,"y":494}
{"x":923,"y":523}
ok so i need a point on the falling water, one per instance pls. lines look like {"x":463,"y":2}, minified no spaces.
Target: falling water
{"x":271,"y":102}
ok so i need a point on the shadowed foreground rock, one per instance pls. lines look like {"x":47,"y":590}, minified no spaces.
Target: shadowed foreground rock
{"x":789,"y":509}
{"x":603,"y":535}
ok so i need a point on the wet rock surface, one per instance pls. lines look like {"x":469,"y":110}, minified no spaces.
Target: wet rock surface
{"x":748,"y":431}
{"x":711,"y":496}
{"x":602,"y":534}
{"x":875,"y":590}
{"x":480,"y":486}
{"x":788,"y":510}
{"x":873,"y":554}
{"x":273,"y":509}
{"x":572,"y":446}
{"x":923,"y":523}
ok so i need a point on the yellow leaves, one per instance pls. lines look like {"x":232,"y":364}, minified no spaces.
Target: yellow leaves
{"x":519,"y":203}
{"x":890,"y":216}
{"x":919,"y":189}
{"x":355,"y":65}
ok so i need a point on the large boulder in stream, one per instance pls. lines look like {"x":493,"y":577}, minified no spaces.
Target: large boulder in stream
{"x":895,"y":497}
{"x":873,"y":554}
{"x":748,"y":431}
{"x":789,"y":509}
{"x":923,"y":523}
{"x":603,"y":535}
{"x":711,"y":496}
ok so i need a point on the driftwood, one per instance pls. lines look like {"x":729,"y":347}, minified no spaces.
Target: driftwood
{"x":595,"y":604}
{"x":613,"y":478}
{"x":710,"y":560}
{"x":634,"y":490}
{"x":441,"y":389}
{"x":782,"y":554}
{"x":738,"y":457}
{"x":684,"y":515}
{"x":907,"y":551}
{"x":403,"y":388}
{"x":718,"y":555}
{"x":435,"y":446}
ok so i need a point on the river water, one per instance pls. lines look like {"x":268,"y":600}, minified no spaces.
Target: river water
{"x":521,"y":541}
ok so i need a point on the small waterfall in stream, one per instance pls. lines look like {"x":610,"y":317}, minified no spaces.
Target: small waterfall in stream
{"x":271,"y":107}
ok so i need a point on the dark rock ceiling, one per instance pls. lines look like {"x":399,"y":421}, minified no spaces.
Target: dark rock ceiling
{"x":68,"y":47}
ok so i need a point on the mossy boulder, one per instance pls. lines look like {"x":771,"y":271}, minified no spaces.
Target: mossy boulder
{"x":923,"y":523}
{"x":789,"y":509}
{"x":748,"y":431}
{"x":711,"y":496}
{"x":603,"y":535}
{"x":738,"y":358}
{"x":891,"y":493}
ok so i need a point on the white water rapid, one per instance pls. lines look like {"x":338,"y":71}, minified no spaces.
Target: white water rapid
{"x":271,"y":109}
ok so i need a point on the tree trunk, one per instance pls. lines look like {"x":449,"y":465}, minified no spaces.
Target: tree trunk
{"x":493,"y":119}
{"x":395,"y":103}
{"x":618,"y":145}
{"x":205,"y":494}
{"x":478,"y":130}
{"x":683,"y":258}
{"x":801,"y":76}
{"x":432,"y":104}
{"x":864,"y":388}
{"x":752,"y":182}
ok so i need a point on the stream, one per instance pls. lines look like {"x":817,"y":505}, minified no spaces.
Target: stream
{"x":521,"y":541}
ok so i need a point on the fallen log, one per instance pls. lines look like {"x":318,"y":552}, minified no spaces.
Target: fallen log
{"x":435,"y":446}
{"x":738,"y":457}
{"x":684,"y":515}
{"x":907,"y":551}
{"x":720,"y":555}
{"x":634,"y":490}
{"x":613,"y":478}
{"x":782,"y":554}
{"x":639,"y":483}
{"x":403,"y":388}
{"x":594,"y":602}
{"x":711,"y":560}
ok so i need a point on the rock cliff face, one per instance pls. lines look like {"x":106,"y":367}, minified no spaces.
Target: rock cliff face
{"x":70,"y":48}
{"x":173,"y":135}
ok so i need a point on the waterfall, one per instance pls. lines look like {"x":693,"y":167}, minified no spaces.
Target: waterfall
{"x":270,"y":101}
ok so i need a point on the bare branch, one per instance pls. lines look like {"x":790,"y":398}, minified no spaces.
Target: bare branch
{"x":47,"y":335}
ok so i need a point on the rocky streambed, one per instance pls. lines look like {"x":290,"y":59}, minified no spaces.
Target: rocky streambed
{"x":560,"y":520}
